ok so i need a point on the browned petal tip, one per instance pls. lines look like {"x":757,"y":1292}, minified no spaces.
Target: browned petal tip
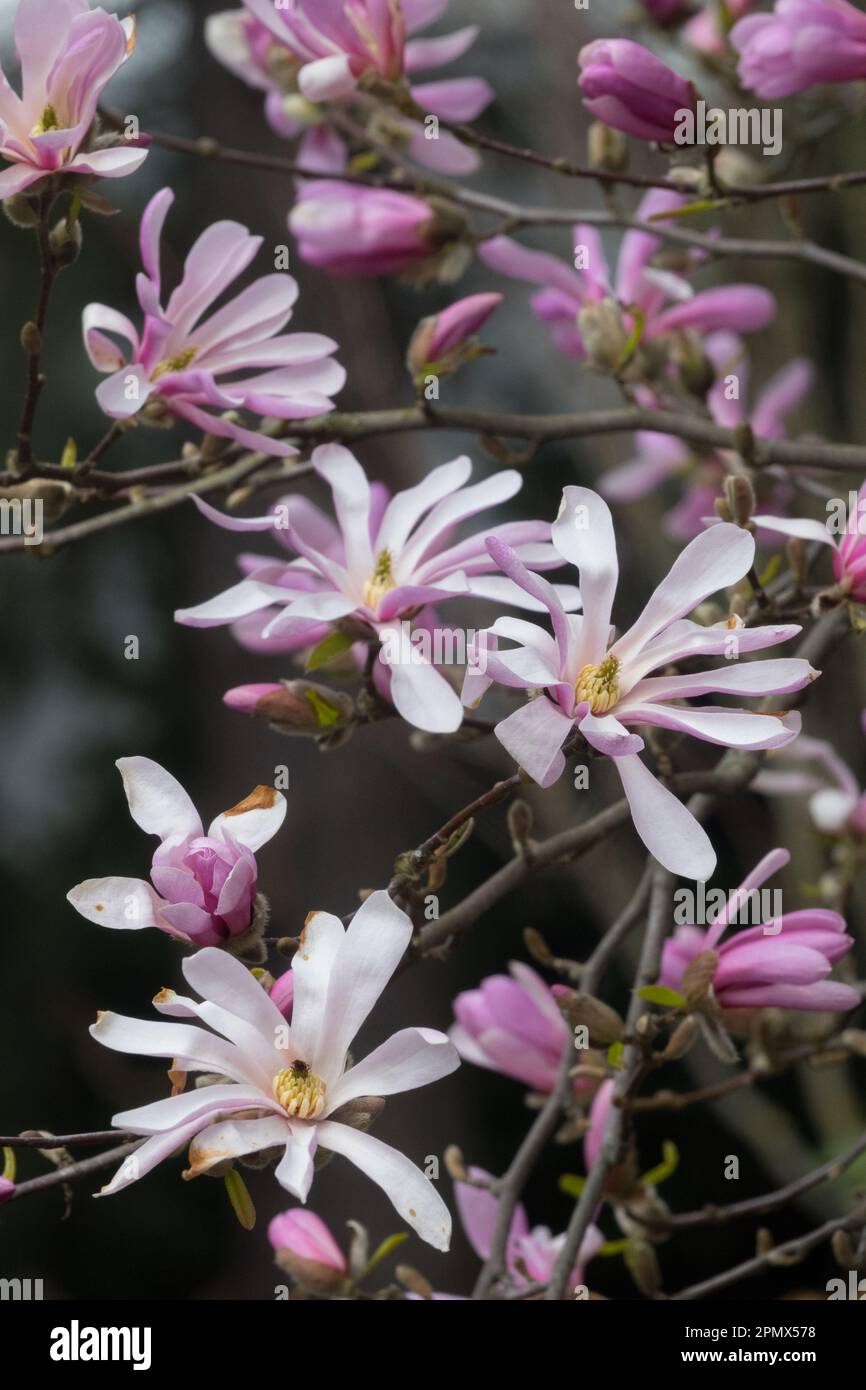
{"x":260,"y":799}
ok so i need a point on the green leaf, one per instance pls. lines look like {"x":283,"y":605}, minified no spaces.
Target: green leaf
{"x":326,"y":713}
{"x":613,"y":1247}
{"x":614,"y":1054}
{"x":658,"y":994}
{"x":572,"y":1184}
{"x":634,"y":336}
{"x":9,"y":1164}
{"x":69,"y":457}
{"x":770,"y":572}
{"x":242,"y":1202}
{"x":704,"y":205}
{"x":666,"y":1169}
{"x":387,"y":1248}
{"x":330,"y":647}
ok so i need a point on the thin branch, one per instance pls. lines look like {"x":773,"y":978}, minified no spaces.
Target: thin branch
{"x":33,"y":1140}
{"x":35,"y":380}
{"x":75,"y":1170}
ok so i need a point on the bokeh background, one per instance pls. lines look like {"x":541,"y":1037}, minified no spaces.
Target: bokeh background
{"x":72,"y":704}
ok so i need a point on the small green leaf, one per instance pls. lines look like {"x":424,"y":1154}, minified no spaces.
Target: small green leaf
{"x":387,"y":1248}
{"x":572,"y":1184}
{"x":658,"y":994}
{"x":69,"y":457}
{"x":242,"y":1202}
{"x":770,"y":572}
{"x":613,"y":1247}
{"x":666,"y":1169}
{"x":326,"y":714}
{"x":634,"y":337}
{"x":614,"y":1054}
{"x":330,"y":647}
{"x":704,"y":205}
{"x":9,"y":1164}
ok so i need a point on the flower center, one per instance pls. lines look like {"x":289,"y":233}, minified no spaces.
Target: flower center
{"x":599,"y":685}
{"x":381,"y":582}
{"x":174,"y":364}
{"x":300,"y":1092}
{"x":47,"y":121}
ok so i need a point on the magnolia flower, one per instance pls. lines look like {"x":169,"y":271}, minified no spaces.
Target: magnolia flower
{"x":204,"y":885}
{"x":286,"y":1086}
{"x":849,"y":548}
{"x":577,"y":302}
{"x":627,"y":87}
{"x":837,"y":802}
{"x":68,"y":55}
{"x":513,"y":1026}
{"x":282,"y":992}
{"x":349,"y":229}
{"x":299,"y":55}
{"x":601,"y":690}
{"x":190,"y":363}
{"x":306,"y":1250}
{"x":593,"y":1140}
{"x":802,"y":44}
{"x":531,"y":1254}
{"x":707,"y":31}
{"x":784,"y":965}
{"x":444,"y":341}
{"x":661,"y":456}
{"x":378,"y":567}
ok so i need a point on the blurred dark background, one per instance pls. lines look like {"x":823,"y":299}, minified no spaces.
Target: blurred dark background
{"x":72,"y":704}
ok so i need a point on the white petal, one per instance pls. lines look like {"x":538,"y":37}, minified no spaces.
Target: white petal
{"x":228,"y":1139}
{"x":534,"y":736}
{"x":321,"y":940}
{"x":411,"y":1058}
{"x":295,"y":1169}
{"x":157,"y":801}
{"x":256,"y":826}
{"x":424,"y":698}
{"x":667,"y":827}
{"x":413,"y":1195}
{"x":126,"y":904}
{"x":200,"y":1050}
{"x":583,"y":534}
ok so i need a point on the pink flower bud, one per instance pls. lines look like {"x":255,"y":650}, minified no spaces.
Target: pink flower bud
{"x":7,"y":1190}
{"x":803,"y":43}
{"x":445,"y":340}
{"x":306,"y":1250}
{"x":349,"y":229}
{"x":849,"y":560}
{"x":283,"y":993}
{"x":627,"y":87}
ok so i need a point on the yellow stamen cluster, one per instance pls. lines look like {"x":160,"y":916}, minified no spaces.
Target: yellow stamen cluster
{"x":381,"y":582}
{"x":599,"y":685}
{"x":47,"y":121}
{"x":300,"y":1092}
{"x":174,"y":364}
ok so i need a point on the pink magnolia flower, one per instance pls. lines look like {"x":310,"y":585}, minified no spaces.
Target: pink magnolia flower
{"x":285,"y":1085}
{"x":849,"y":548}
{"x":349,"y":229}
{"x":378,"y":567}
{"x":305,"y":1236}
{"x":785,"y":967}
{"x":193,"y":364}
{"x":602,"y":690}
{"x":571,"y":297}
{"x":513,"y":1026}
{"x":531,"y":1254}
{"x":204,"y":886}
{"x":593,"y":1140}
{"x":628,"y":87}
{"x":7,"y":1190}
{"x":662,"y":456}
{"x":802,"y":44}
{"x":283,"y":993}
{"x":309,"y":52}
{"x":68,"y":55}
{"x":442,"y":342}
{"x":837,"y":802}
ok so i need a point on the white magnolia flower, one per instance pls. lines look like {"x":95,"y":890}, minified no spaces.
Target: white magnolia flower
{"x":286,"y":1084}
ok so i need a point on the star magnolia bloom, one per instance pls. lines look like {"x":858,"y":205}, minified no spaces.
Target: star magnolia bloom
{"x":286,"y":1084}
{"x":204,"y":886}
{"x":570,"y":298}
{"x":785,"y":968}
{"x":380,"y":567}
{"x":661,"y":456}
{"x":627,"y":87}
{"x":530,"y":1255}
{"x":837,"y":802}
{"x":849,"y":549}
{"x":68,"y":54}
{"x":513,"y":1026}
{"x":802,"y":44}
{"x":191,"y":363}
{"x":601,"y":689}
{"x":285,"y":53}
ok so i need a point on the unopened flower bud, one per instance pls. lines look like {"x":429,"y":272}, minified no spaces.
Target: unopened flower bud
{"x":445,"y":341}
{"x":607,"y":148}
{"x":293,"y":707}
{"x":7,"y":1190}
{"x":740,"y":497}
{"x":21,"y":211}
{"x":604,"y":334}
{"x":306,"y":1250}
{"x":283,"y":993}
{"x":65,"y":242}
